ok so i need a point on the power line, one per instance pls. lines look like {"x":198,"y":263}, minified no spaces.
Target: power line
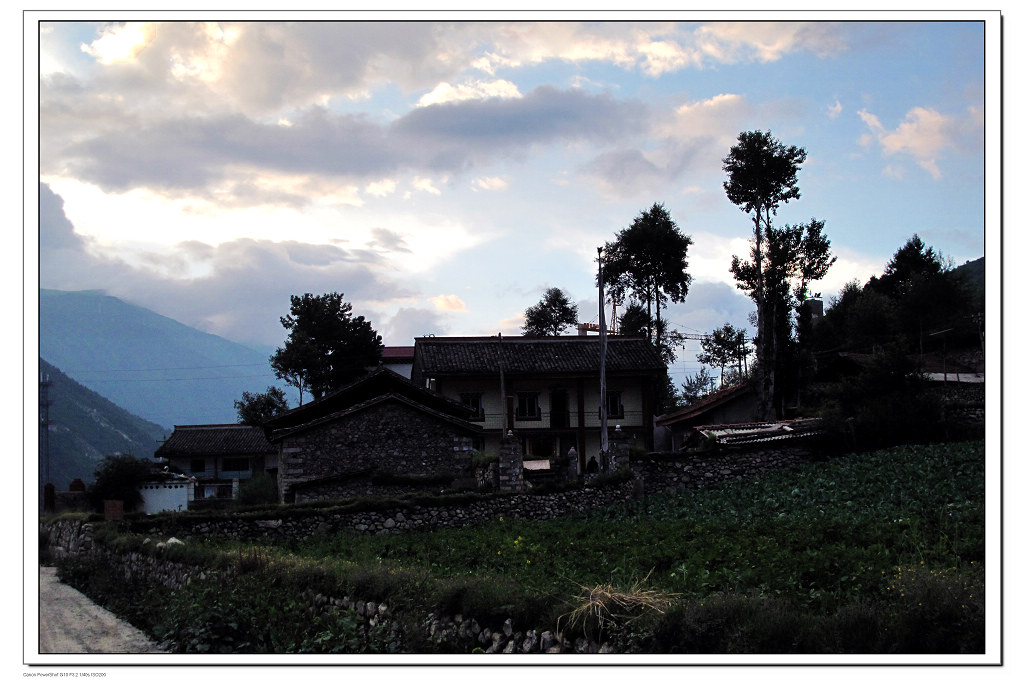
{"x":162,"y":380}
{"x":169,"y":368}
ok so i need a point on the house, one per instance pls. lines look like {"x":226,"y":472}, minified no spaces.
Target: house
{"x":398,"y":359}
{"x":545,"y":390}
{"x":219,"y":456}
{"x":729,"y":405}
{"x":380,"y":434}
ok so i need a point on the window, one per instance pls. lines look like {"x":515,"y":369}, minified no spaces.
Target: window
{"x":615,"y":409}
{"x":474,"y":400}
{"x":528,"y":406}
{"x":233,"y":465}
{"x":198,"y":466}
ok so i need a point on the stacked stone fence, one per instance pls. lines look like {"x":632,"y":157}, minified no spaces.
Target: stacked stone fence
{"x":655,"y":472}
{"x":379,"y":626}
{"x":673,"y":471}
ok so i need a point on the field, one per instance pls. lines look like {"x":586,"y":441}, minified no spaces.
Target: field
{"x":865,"y":553}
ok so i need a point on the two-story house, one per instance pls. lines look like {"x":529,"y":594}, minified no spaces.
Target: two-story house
{"x":218,"y":456}
{"x":546,"y":390}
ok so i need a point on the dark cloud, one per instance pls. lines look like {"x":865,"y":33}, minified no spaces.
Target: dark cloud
{"x":625,"y":172}
{"x":389,"y":241}
{"x":193,"y":153}
{"x":244,"y":295}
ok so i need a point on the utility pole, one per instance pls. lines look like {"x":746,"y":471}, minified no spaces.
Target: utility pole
{"x":604,"y":354}
{"x":44,"y":422}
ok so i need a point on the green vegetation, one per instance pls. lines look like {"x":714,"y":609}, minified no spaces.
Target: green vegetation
{"x":877,"y":552}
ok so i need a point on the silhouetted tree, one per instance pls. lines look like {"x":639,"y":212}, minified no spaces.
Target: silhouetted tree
{"x":648,"y":260}
{"x":118,"y":477}
{"x":327,"y":347}
{"x":554,"y":313}
{"x":255,"y":408}
{"x":763,"y":174}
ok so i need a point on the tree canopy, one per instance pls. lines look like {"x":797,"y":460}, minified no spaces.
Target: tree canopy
{"x":326,"y":347}
{"x":724,"y":348}
{"x":554,"y":313}
{"x":648,"y":261}
{"x":118,"y":477}
{"x":255,"y":408}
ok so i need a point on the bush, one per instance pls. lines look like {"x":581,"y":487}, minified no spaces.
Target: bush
{"x":118,"y":478}
{"x":261,"y":489}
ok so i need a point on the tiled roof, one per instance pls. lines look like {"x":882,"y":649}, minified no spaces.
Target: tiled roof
{"x":215,"y":439}
{"x":397,"y":353}
{"x":466,"y":426}
{"x":381,"y":381}
{"x":557,"y":355}
{"x":690,"y":411}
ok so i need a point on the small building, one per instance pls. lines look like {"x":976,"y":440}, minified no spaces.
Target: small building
{"x":377,"y":435}
{"x":167,"y":494}
{"x":219,"y":457}
{"x":398,"y":359}
{"x":546,"y":390}
{"x":729,"y":405}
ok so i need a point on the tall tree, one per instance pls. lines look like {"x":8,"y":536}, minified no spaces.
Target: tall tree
{"x":648,"y":260}
{"x":762,"y":174}
{"x":326,"y":347}
{"x":554,"y":313}
{"x":255,"y":408}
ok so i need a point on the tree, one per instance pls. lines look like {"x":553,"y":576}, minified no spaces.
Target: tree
{"x":648,"y":260}
{"x":635,"y":320}
{"x":326,"y":347}
{"x":549,"y":317}
{"x":255,"y":408}
{"x":763,"y":174}
{"x":725,"y":347}
{"x":696,"y":386}
{"x":118,"y":477}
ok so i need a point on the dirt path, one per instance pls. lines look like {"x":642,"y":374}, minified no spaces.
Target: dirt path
{"x":70,"y":623}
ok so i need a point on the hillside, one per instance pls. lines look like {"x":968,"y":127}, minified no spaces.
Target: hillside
{"x":153,"y":366}
{"x":85,"y":427}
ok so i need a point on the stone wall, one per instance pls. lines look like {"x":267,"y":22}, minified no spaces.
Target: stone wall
{"x":447,"y":633}
{"x":669,"y":471}
{"x":376,"y":439}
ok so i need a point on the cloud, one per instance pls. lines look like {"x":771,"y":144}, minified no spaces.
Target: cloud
{"x":835,"y":109}
{"x":471,"y":90}
{"x":731,"y":42}
{"x":923,"y":135}
{"x":410,"y":323}
{"x":244,"y":289}
{"x":489,"y":183}
{"x":448,"y":303}
{"x":237,"y":160}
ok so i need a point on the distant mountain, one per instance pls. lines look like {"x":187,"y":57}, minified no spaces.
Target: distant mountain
{"x":973,"y":272}
{"x":153,"y":366}
{"x":84,"y":427}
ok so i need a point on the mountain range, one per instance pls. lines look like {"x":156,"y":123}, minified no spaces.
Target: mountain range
{"x":84,"y":427}
{"x":154,"y":367}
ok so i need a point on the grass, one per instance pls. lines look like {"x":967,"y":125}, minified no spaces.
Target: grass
{"x":874,"y":552}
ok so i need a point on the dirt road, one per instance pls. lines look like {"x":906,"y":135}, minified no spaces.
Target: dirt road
{"x":70,"y":623}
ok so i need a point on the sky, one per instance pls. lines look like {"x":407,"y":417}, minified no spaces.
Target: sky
{"x":444,"y":174}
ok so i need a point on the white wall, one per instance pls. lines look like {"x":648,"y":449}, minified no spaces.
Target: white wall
{"x":170,"y":496}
